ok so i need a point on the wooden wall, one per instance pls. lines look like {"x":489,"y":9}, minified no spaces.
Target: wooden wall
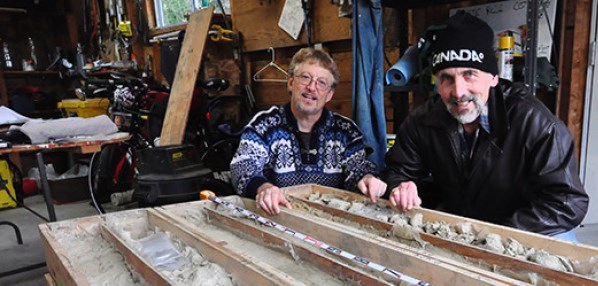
{"x":573,"y":63}
{"x":258,"y":22}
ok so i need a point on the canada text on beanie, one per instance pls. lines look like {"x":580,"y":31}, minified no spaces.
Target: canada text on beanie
{"x":467,"y":41}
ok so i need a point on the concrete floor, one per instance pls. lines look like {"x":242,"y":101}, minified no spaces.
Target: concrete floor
{"x":30,"y":252}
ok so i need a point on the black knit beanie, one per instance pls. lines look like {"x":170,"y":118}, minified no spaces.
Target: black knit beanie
{"x":467,"y":41}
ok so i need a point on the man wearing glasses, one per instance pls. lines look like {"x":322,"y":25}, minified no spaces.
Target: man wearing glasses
{"x":303,"y":142}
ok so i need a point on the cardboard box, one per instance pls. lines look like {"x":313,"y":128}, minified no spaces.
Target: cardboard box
{"x":69,"y":190}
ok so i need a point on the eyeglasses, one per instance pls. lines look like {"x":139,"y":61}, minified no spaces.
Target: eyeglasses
{"x":306,"y":80}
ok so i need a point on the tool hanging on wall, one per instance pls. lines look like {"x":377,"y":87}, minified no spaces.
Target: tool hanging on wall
{"x":217,"y":33}
{"x":321,"y":244}
{"x":307,"y":9}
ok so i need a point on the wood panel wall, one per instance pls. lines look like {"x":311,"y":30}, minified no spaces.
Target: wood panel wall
{"x":573,"y":63}
{"x":276,"y":93}
{"x":258,"y":22}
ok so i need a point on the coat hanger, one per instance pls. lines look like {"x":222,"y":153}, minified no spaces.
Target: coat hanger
{"x":270,"y":64}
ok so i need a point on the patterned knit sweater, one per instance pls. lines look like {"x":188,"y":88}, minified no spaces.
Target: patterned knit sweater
{"x":271,"y":151}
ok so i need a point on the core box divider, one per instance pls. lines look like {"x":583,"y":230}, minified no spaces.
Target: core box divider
{"x":420,"y":266}
{"x":274,"y":241}
{"x":527,"y":239}
{"x":244,"y":269}
{"x":57,"y":262}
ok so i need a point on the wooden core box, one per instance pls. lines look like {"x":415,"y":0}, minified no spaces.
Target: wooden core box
{"x":254,"y":254}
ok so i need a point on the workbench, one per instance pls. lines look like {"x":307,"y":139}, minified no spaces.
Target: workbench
{"x":78,"y":146}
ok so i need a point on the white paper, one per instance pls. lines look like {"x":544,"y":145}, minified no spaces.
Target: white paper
{"x":291,"y":18}
{"x":9,"y":116}
{"x":511,"y":15}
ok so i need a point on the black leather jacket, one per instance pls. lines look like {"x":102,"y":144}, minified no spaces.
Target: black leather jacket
{"x":523,"y":174}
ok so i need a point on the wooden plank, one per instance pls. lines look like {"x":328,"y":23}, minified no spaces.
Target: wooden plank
{"x":150,"y":14}
{"x":57,"y":261}
{"x":329,"y":265}
{"x":159,"y":31}
{"x":259,"y":35}
{"x":3,"y":90}
{"x":188,"y":64}
{"x":242,"y":267}
{"x":571,"y":102}
{"x":380,"y":251}
{"x":137,"y":262}
{"x":527,"y":239}
{"x":49,"y":280}
{"x":486,"y":256}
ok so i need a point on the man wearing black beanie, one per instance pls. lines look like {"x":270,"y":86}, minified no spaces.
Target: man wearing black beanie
{"x":484,"y":149}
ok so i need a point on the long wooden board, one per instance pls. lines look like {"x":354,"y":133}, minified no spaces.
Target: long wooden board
{"x":49,"y":280}
{"x":188,"y":64}
{"x":137,"y":262}
{"x":361,"y":243}
{"x":243,"y":268}
{"x":246,"y":231}
{"x":327,"y":264}
{"x":491,"y":258}
{"x":57,"y":262}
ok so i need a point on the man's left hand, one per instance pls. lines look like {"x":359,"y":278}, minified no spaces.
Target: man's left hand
{"x":372,"y":187}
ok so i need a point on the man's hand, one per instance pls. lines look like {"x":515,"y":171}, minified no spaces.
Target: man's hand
{"x":405,"y":196}
{"x":269,"y":197}
{"x":371,"y":187}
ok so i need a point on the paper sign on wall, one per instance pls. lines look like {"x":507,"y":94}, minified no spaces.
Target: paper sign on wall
{"x":512,"y":15}
{"x":291,"y":18}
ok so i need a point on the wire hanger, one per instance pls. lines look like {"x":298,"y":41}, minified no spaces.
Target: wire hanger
{"x":270,"y":64}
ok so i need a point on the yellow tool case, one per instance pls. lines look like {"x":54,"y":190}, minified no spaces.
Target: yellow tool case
{"x":84,"y":108}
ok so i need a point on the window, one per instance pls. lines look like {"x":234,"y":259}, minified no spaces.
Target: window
{"x":172,"y":12}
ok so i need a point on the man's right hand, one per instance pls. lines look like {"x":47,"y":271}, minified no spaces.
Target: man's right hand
{"x":405,"y":196}
{"x":269,"y":197}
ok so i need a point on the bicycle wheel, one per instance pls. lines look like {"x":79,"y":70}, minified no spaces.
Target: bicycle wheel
{"x":111,"y":171}
{"x":219,"y":155}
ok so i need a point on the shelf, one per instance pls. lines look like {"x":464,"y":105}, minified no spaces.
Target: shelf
{"x":21,"y":74}
{"x":408,"y":88}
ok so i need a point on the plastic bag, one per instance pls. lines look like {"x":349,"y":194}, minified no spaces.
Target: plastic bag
{"x":160,"y":252}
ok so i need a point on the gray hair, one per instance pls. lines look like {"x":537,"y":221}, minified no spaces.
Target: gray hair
{"x":314,"y":56}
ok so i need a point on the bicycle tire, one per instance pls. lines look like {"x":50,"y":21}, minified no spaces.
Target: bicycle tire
{"x":218,"y":156}
{"x":112,"y":170}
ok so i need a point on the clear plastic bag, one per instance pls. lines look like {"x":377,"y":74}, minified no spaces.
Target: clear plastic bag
{"x":160,"y":252}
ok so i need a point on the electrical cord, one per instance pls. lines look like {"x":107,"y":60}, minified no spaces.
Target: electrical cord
{"x":89,"y":174}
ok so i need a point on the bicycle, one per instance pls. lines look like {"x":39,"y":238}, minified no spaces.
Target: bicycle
{"x":114,"y":170}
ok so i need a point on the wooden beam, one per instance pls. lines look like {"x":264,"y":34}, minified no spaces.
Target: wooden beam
{"x":574,"y":48}
{"x":57,"y":262}
{"x":378,"y":250}
{"x":137,"y":262}
{"x":241,"y":266}
{"x":49,"y":280}
{"x":487,"y":257}
{"x":528,"y":239}
{"x":328,"y":265}
{"x":151,"y":14}
{"x":188,"y":65}
{"x":3,"y":89}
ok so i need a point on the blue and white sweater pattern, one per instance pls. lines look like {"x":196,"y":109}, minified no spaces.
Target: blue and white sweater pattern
{"x":269,"y":152}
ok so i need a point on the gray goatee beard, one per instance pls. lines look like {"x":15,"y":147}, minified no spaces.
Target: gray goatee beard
{"x":468,"y":117}
{"x":306,"y":110}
